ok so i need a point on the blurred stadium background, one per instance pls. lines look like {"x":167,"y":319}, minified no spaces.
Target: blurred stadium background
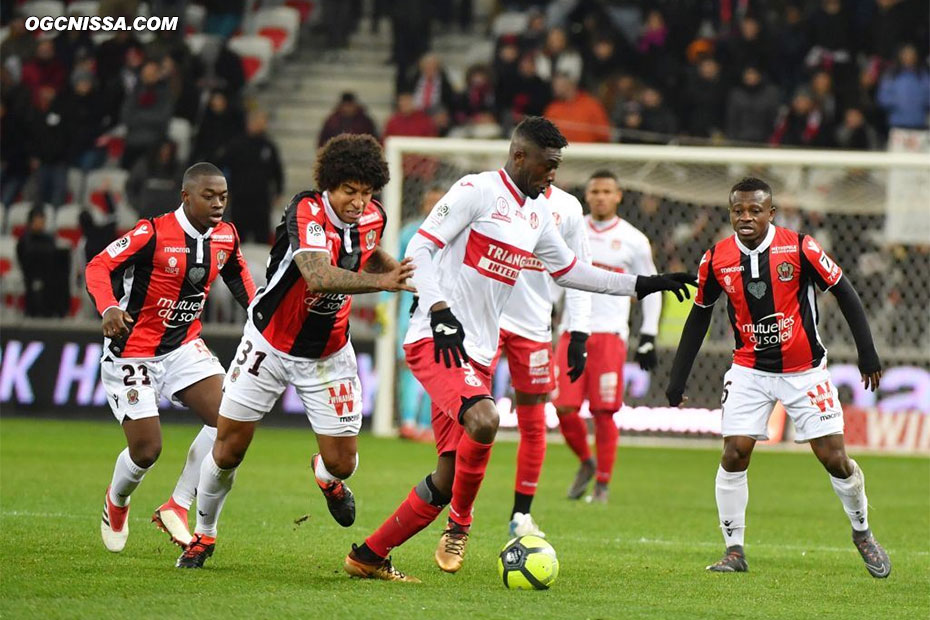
{"x":828,"y":100}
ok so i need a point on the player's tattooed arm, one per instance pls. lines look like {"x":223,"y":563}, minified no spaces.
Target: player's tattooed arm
{"x":381,"y":262}
{"x":323,"y":277}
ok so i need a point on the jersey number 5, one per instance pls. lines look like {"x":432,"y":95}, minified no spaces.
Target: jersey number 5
{"x":244,"y":356}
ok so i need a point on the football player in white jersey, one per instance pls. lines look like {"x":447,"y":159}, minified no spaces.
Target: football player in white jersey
{"x":619,"y":247}
{"x":468,"y":255}
{"x":526,"y":339}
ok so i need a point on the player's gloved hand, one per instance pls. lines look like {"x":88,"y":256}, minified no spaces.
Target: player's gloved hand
{"x":448,"y":337}
{"x":675,"y":282}
{"x":646,"y":352}
{"x":577,"y":355}
{"x":675,"y":396}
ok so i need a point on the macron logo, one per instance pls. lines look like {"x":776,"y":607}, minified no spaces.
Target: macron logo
{"x":143,"y":230}
{"x":314,"y":208}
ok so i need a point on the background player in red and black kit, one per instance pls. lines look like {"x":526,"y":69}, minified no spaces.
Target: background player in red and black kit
{"x":150,"y":285}
{"x":326,"y":249}
{"x":768,"y":274}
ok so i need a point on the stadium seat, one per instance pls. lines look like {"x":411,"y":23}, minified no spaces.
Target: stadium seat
{"x":12,"y":289}
{"x":68,"y":225}
{"x":75,"y":185}
{"x":4,"y":33}
{"x":196,"y":41}
{"x":513,"y":22}
{"x":279,"y":25}
{"x":194,"y":14}
{"x":179,"y":131}
{"x":83,"y":7}
{"x":42,"y":8}
{"x":18,"y":216}
{"x":100,"y":180}
{"x":256,"y":53}
{"x":256,"y":257}
{"x":306,"y":9}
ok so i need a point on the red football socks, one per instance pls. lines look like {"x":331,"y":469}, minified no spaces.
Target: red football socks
{"x":410,"y":517}
{"x":575,"y":432}
{"x":532,"y":449}
{"x":606,"y":435}
{"x":471,"y":461}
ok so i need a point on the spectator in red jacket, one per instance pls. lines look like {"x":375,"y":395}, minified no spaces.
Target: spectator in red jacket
{"x":348,"y":117}
{"x":407,"y":120}
{"x":579,"y":116}
{"x":44,"y":71}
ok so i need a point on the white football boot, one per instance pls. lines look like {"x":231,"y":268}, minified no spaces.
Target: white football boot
{"x":523,"y":525}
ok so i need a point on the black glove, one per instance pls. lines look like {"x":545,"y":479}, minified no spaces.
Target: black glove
{"x":646,"y":352}
{"x":577,"y":355}
{"x":448,"y":337}
{"x":674,"y":395}
{"x":674,"y":282}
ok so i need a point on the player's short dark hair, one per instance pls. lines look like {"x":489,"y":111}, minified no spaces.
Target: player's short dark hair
{"x":604,"y":173}
{"x":198,"y":170}
{"x":542,"y":132}
{"x":351,"y":157}
{"x":751,"y":184}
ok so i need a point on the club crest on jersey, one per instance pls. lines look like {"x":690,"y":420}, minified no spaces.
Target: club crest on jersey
{"x":557,"y":218}
{"x":236,"y":371}
{"x":172,"y":267}
{"x":221,"y":257}
{"x":196,"y":274}
{"x":132,"y":396}
{"x":785,"y":272}
{"x":615,"y":244}
{"x":501,"y":210}
{"x":534,"y":221}
{"x":757,"y":289}
{"x":370,"y":239}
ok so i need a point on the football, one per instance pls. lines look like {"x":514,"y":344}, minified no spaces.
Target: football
{"x":528,"y":563}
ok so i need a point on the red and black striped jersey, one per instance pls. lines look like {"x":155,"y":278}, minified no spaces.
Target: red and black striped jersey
{"x":160,"y":272}
{"x":771,"y":301}
{"x":294,"y":320}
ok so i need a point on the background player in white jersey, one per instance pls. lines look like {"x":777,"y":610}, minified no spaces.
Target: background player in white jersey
{"x":619,"y":247}
{"x":468,"y":255}
{"x":526,"y":339}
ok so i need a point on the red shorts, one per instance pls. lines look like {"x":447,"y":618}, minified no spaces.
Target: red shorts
{"x":448,"y":388}
{"x":530,"y":363}
{"x":602,"y":380}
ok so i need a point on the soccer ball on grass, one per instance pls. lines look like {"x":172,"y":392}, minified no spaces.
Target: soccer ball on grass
{"x":528,"y":563}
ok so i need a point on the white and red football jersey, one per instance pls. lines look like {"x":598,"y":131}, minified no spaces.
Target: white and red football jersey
{"x":488,"y":232}
{"x":528,"y":313}
{"x":618,"y":246}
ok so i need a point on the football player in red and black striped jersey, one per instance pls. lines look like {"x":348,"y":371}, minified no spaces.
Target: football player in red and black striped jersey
{"x":326,"y":249}
{"x":150,"y":286}
{"x":769,"y":275}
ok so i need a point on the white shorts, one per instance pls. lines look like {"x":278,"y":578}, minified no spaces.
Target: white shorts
{"x":810,"y":399}
{"x":329,"y":387}
{"x":134,"y":385}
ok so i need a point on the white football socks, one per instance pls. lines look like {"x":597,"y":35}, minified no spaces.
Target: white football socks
{"x":126,"y":477}
{"x":322,"y":474}
{"x":851,"y":492}
{"x":215,"y":484}
{"x":186,"y":489}
{"x":732,"y":490}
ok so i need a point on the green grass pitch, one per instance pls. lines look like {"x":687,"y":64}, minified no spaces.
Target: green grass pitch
{"x":641,"y":556}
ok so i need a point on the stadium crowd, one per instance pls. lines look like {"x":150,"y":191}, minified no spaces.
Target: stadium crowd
{"x":834,"y":73}
{"x":828,"y":74}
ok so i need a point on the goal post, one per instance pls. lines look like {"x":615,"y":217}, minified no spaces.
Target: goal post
{"x":856,"y":201}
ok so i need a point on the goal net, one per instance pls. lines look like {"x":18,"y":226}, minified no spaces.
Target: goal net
{"x":869,"y":210}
